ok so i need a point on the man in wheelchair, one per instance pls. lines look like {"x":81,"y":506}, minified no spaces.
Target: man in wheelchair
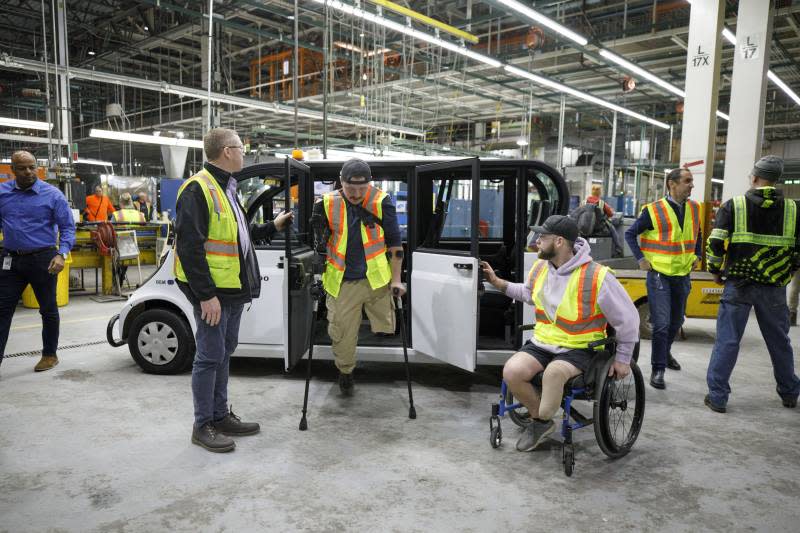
{"x":575,"y":300}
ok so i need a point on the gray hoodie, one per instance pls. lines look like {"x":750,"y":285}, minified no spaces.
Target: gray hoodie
{"x":612,"y":299}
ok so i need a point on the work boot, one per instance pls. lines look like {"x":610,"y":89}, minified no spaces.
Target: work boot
{"x":210,"y":439}
{"x":714,"y":407}
{"x":233,"y":426}
{"x":672,"y":363}
{"x":46,"y":363}
{"x":346,"y":384}
{"x":534,"y":434}
{"x":657,"y":379}
{"x":793,"y":318}
{"x":788,"y":400}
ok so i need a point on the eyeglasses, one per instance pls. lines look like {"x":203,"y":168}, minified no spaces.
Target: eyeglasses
{"x":239,"y":146}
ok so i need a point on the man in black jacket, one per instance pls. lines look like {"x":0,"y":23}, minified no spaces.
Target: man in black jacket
{"x":217,"y":270}
{"x":762,"y":233}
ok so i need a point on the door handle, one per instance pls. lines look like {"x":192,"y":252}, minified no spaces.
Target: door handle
{"x":462,"y":266}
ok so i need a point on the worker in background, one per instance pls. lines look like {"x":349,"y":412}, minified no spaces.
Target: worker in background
{"x":127,"y":211}
{"x":98,"y":206}
{"x":217,"y":270}
{"x":793,"y":297}
{"x":671,"y":247}
{"x":362,"y":222}
{"x":596,"y":199}
{"x":38,"y":233}
{"x":569,"y":316}
{"x":762,"y":253}
{"x":143,"y":204}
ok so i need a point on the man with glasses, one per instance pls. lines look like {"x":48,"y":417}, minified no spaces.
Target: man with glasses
{"x":216,"y":269}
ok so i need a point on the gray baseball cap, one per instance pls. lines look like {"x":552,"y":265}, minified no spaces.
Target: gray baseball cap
{"x":355,"y":171}
{"x":769,"y":167}
{"x":560,"y":225}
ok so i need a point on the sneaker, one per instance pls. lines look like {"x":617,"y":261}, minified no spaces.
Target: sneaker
{"x":714,"y":407}
{"x":232,"y":425}
{"x":534,"y":434}
{"x":346,"y":384}
{"x":46,"y":363}
{"x":210,"y":439}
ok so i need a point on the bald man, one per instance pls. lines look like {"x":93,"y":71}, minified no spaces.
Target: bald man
{"x":38,"y":233}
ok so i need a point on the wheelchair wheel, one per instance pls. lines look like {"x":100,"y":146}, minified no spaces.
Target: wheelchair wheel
{"x":619,"y":411}
{"x":520,"y":415}
{"x":496,"y":436}
{"x":568,"y":458}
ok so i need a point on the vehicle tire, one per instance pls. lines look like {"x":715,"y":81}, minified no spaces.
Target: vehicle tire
{"x":161,"y":342}
{"x":619,"y":411}
{"x":645,"y":327}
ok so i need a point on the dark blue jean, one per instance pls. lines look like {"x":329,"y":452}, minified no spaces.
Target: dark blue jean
{"x":211,"y":362}
{"x":666,"y":296}
{"x":30,"y":269}
{"x":772,"y":315}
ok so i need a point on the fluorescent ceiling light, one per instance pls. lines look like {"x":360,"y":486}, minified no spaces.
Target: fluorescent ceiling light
{"x":145,"y":139}
{"x":407,"y":30}
{"x":723,"y":116}
{"x":582,"y":95}
{"x":522,"y":142}
{"x":544,"y":21}
{"x":371,"y":17}
{"x":731,"y":38}
{"x":28,"y":124}
{"x":639,"y":71}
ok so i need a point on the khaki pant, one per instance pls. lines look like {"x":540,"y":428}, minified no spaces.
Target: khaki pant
{"x":344,"y":318}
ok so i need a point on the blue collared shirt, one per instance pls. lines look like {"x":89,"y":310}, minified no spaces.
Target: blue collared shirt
{"x":35,"y":218}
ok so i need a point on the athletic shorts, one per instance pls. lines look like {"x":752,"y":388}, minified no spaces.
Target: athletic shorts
{"x":578,"y":358}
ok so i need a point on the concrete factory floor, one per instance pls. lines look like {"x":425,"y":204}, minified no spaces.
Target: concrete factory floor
{"x":97,"y":445}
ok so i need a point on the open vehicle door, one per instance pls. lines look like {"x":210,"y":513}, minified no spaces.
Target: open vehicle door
{"x":284,"y":264}
{"x":445,"y":268}
{"x":298,"y":305}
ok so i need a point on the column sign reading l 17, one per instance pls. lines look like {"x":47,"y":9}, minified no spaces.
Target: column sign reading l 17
{"x":749,"y":48}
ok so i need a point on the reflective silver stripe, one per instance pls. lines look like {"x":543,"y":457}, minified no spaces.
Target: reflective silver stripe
{"x":662,"y":247}
{"x":335,"y":259}
{"x":374,"y":248}
{"x":336,"y":207}
{"x":211,"y":187}
{"x":596,"y":323}
{"x":586,"y":297}
{"x":221,"y":248}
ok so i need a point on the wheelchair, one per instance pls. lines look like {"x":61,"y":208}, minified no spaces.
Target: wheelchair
{"x":618,"y":406}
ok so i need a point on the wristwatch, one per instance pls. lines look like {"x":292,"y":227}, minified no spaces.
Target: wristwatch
{"x":64,"y":256}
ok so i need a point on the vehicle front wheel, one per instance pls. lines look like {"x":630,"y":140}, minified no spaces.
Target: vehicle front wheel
{"x":161,"y":342}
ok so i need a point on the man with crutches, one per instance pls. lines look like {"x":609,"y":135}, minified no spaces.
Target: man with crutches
{"x":364,"y":257}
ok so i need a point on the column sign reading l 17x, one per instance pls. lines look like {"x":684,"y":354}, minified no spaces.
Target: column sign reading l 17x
{"x":701,"y":58}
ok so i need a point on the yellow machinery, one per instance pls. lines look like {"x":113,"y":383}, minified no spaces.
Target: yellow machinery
{"x":703,"y":299}
{"x":85,"y":253}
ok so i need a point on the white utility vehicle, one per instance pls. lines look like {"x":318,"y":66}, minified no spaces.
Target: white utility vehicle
{"x":452,"y":215}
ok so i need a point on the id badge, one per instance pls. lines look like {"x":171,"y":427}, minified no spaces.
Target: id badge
{"x":7,"y":262}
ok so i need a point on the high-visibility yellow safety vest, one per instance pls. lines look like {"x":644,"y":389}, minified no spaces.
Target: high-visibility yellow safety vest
{"x":579,"y":320}
{"x":222,"y":245}
{"x":378,"y":271}
{"x":670,"y":247}
{"x":126,"y":215}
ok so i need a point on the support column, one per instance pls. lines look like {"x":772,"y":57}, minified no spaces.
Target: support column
{"x":611,"y":183}
{"x":63,"y":79}
{"x":698,"y":134}
{"x":560,"y":155}
{"x":208,"y":78}
{"x":748,"y":93}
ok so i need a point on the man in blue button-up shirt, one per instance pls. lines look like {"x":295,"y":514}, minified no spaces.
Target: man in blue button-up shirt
{"x":38,"y":233}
